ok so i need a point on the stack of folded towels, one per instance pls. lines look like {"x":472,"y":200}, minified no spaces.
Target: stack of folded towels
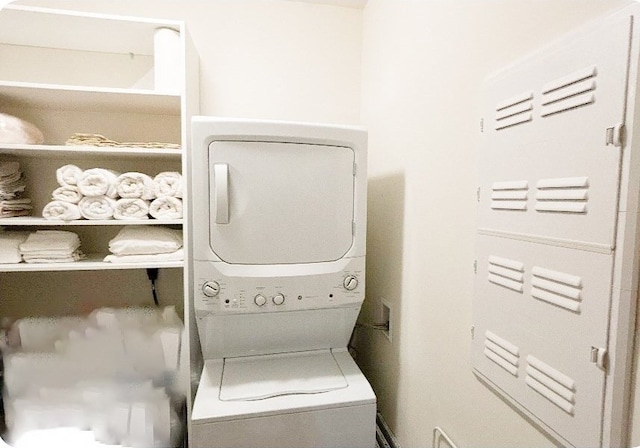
{"x":141,"y":244}
{"x":12,"y":186}
{"x":51,"y":246}
{"x":99,"y":193}
{"x":106,"y":380}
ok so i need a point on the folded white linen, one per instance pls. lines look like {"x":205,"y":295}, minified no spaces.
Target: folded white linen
{"x":50,"y":240}
{"x":178,"y":255}
{"x":135,"y":185}
{"x":76,"y":255}
{"x":68,"y":175}
{"x":61,"y":210}
{"x":98,"y":182}
{"x":166,"y":207}
{"x":131,"y":209}
{"x":97,"y":207}
{"x":142,"y":240}
{"x":168,"y":183}
{"x":15,"y":207}
{"x":16,"y":130}
{"x":68,"y":193}
{"x":10,"y":246}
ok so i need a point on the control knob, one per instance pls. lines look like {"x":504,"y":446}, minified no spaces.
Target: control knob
{"x":350,"y":282}
{"x":211,"y":289}
{"x":259,"y":300}
{"x":278,"y":299}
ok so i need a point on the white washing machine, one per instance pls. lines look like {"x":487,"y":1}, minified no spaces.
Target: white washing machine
{"x":278,"y":264}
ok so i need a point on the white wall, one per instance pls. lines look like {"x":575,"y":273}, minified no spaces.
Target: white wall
{"x":423,"y":64}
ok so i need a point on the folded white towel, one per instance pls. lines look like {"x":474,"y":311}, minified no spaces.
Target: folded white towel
{"x":168,"y":183}
{"x":166,"y":207}
{"x":97,"y":207}
{"x":142,"y":240}
{"x":171,"y":256}
{"x":9,"y":168}
{"x":50,"y":240}
{"x":98,"y":182}
{"x":68,"y":175}
{"x":61,"y":210}
{"x":131,"y":208}
{"x":76,"y":255}
{"x":10,"y":246}
{"x":68,"y":193}
{"x":135,"y":185}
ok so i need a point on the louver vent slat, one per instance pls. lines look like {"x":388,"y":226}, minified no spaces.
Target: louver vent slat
{"x":568,"y":195}
{"x":510,"y":195}
{"x":515,"y":110}
{"x":506,"y":273}
{"x":569,"y":92}
{"x":557,"y":288}
{"x":552,"y":384}
{"x":502,"y":352}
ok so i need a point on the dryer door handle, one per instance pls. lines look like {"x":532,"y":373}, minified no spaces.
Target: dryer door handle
{"x":221,"y":182}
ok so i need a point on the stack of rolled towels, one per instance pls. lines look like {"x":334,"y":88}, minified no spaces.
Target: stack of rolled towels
{"x":12,"y":187}
{"x":99,"y":193}
{"x":142,"y":244}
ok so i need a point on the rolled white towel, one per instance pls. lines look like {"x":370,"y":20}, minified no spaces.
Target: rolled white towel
{"x":61,"y":210}
{"x":166,"y":207}
{"x":97,"y":207}
{"x":98,"y":182}
{"x":168,"y":183}
{"x":131,"y":208}
{"x":68,"y":175}
{"x":171,"y":256}
{"x":67,"y":193}
{"x":135,"y":185}
{"x":144,"y":240}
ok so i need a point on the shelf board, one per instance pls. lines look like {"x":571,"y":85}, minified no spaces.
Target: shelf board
{"x":83,"y":98}
{"x":25,"y":25}
{"x":42,"y":222}
{"x":93,"y":262}
{"x":83,"y":150}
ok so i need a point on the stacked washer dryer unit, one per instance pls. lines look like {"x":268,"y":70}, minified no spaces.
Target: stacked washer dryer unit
{"x":278,"y":221}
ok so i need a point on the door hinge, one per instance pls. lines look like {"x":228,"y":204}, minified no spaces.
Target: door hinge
{"x":481,"y":125}
{"x":355,"y":169}
{"x":599,"y":357}
{"x":475,"y":266}
{"x":353,"y":228}
{"x":614,"y":135}
{"x":478,"y":194}
{"x":473,"y":332}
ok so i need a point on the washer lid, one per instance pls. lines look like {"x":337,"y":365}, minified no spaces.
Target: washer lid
{"x":266,"y":376}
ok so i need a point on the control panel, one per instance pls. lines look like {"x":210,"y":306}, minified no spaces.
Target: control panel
{"x":216,"y":293}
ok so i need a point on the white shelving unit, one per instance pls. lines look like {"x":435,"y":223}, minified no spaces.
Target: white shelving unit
{"x":73,"y":72}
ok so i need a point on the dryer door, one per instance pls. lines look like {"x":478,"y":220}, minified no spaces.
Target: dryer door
{"x":280,"y":203}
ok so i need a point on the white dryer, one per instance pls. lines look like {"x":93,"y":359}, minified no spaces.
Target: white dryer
{"x":278,"y":215}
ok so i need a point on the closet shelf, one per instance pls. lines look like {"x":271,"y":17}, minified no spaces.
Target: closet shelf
{"x":42,"y":222}
{"x":86,"y":151}
{"x":93,"y":262}
{"x":99,"y":99}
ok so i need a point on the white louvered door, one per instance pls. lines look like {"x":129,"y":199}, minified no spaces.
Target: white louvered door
{"x":548,"y":198}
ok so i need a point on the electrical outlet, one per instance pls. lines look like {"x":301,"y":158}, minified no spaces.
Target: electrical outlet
{"x":385,"y":318}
